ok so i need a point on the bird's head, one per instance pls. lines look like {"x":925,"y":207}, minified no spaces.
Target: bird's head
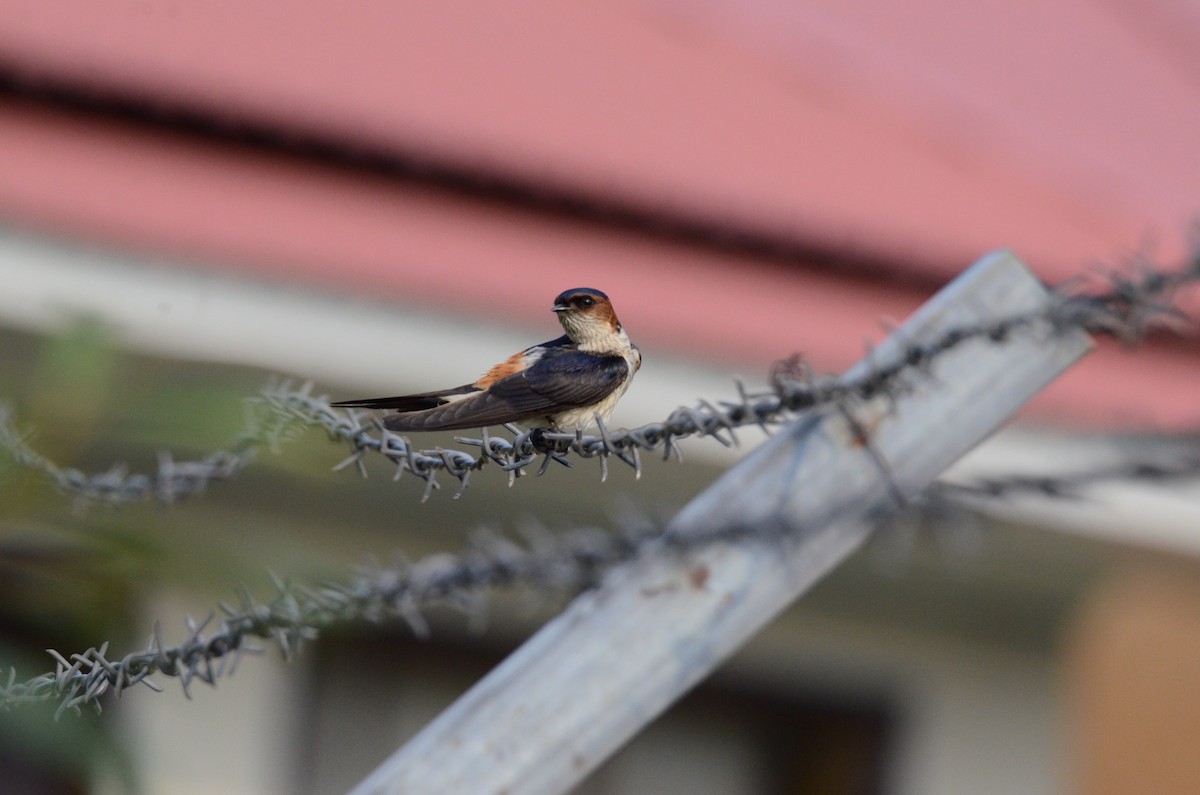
{"x":586,"y":315}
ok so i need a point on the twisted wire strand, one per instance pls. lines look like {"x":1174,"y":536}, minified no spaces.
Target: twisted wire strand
{"x":1133,"y":305}
{"x":560,"y":562}
{"x":542,"y":562}
{"x":171,"y":482}
{"x":1147,"y":466}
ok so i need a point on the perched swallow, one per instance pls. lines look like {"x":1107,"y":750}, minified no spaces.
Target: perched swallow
{"x":562,"y":383}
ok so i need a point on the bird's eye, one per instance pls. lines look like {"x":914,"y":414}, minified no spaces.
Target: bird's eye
{"x":586,"y":301}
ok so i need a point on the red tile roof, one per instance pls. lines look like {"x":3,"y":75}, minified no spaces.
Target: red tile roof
{"x":916,"y":136}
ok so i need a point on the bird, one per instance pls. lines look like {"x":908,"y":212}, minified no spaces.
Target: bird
{"x":562,"y":384}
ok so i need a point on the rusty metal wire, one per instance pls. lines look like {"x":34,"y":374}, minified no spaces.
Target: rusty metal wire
{"x":171,"y":482}
{"x":1179,"y":463}
{"x":540,"y":561}
{"x":1131,"y":307}
{"x":547,"y":562}
{"x":1132,"y":304}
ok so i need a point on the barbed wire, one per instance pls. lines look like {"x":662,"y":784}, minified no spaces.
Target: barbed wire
{"x":543,"y":562}
{"x":547,"y":562}
{"x":1133,"y":304}
{"x":1151,"y":467}
{"x":172,"y":481}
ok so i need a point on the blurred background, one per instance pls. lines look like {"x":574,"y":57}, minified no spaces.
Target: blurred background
{"x":383,"y":197}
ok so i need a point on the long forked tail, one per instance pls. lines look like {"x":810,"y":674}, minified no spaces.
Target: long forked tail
{"x":418,"y":402}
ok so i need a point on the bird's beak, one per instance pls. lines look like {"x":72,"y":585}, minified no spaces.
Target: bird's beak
{"x":560,"y":308}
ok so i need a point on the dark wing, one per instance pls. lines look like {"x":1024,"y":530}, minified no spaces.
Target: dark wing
{"x":559,"y":380}
{"x":423,"y":400}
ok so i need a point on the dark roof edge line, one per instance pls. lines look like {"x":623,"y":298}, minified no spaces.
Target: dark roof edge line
{"x":20,"y":85}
